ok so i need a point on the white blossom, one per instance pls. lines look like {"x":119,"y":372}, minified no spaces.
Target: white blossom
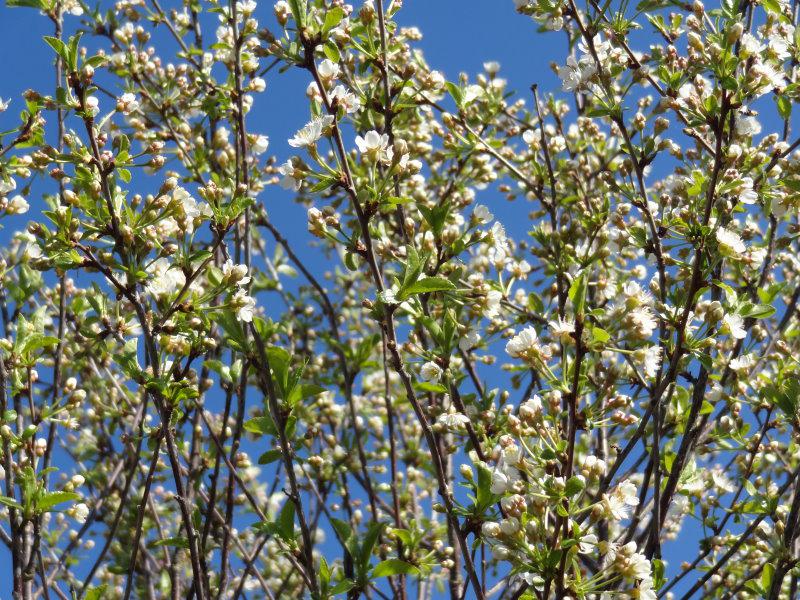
{"x":730,"y":244}
{"x":374,"y":146}
{"x":310,"y":134}
{"x":259,"y":145}
{"x":430,"y":371}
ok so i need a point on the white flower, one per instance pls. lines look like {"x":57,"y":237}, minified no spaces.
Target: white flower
{"x":166,"y":280}
{"x":493,"y":299}
{"x":73,"y":8}
{"x":491,"y":67}
{"x":192,"y":209}
{"x":730,"y":244}
{"x":389,"y":295}
{"x":469,"y":340}
{"x":311,"y":132}
{"x":316,"y":222}
{"x":531,"y":408}
{"x":257,"y":84}
{"x":751,"y":45}
{"x":235,"y":273}
{"x":645,"y":590}
{"x":562,"y":328}
{"x":346,"y":99}
{"x":127,"y":103}
{"x":509,"y":526}
{"x":617,"y":504}
{"x":245,"y":305}
{"x":526,"y":345}
{"x":375,"y":146}
{"x":497,"y":235}
{"x":747,"y":195}
{"x":519,"y":269}
{"x":500,"y":482}
{"x":634,"y":295}
{"x":481,"y":214}
{"x":80,"y":512}
{"x":576,"y":72}
{"x":4,"y":104}
{"x":587,"y":543}
{"x":259,"y":145}
{"x":490,"y":529}
{"x":328,"y":71}
{"x":651,"y":361}
{"x":638,"y":567}
{"x":722,"y":481}
{"x":627,"y":491}
{"x":642,"y":322}
{"x":92,"y":105}
{"x":742,"y":363}
{"x":7,"y":186}
{"x":755,"y":256}
{"x":532,"y":136}
{"x":593,"y":466}
{"x":430,"y":371}
{"x":453,"y":419}
{"x":472,"y":93}
{"x":734,"y":324}
{"x":291,"y":179}
{"x":17,"y":206}
{"x":747,"y":125}
{"x":779,"y":45}
{"x":522,"y":342}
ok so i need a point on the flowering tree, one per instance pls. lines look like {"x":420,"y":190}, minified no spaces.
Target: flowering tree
{"x":442,"y":411}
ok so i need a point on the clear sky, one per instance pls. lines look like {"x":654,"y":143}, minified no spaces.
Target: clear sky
{"x":459,"y":36}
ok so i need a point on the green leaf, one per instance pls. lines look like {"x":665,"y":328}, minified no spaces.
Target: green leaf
{"x":285,"y":523}
{"x":757,"y":311}
{"x":345,"y":585}
{"x":10,"y":502}
{"x":60,"y":47}
{"x":772,"y":6}
{"x":600,"y":335}
{"x":427,"y":386}
{"x":233,"y":329}
{"x":365,"y":552}
{"x":25,"y":3}
{"x":342,"y":529}
{"x":270,"y":456}
{"x":455,"y":92}
{"x":332,"y":18}
{"x":393,"y":566}
{"x":425,"y":286}
{"x":50,"y":500}
{"x":784,"y":106}
{"x":298,"y":11}
{"x":485,"y":497}
{"x":177,"y":542}
{"x":766,"y":575}
{"x":95,"y":593}
{"x":74,"y":40}
{"x":574,"y":485}
{"x":577,"y":293}
{"x":658,"y":573}
{"x":261,"y":425}
{"x":331,"y":51}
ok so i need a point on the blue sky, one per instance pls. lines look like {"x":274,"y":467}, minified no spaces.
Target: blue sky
{"x":459,"y":36}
